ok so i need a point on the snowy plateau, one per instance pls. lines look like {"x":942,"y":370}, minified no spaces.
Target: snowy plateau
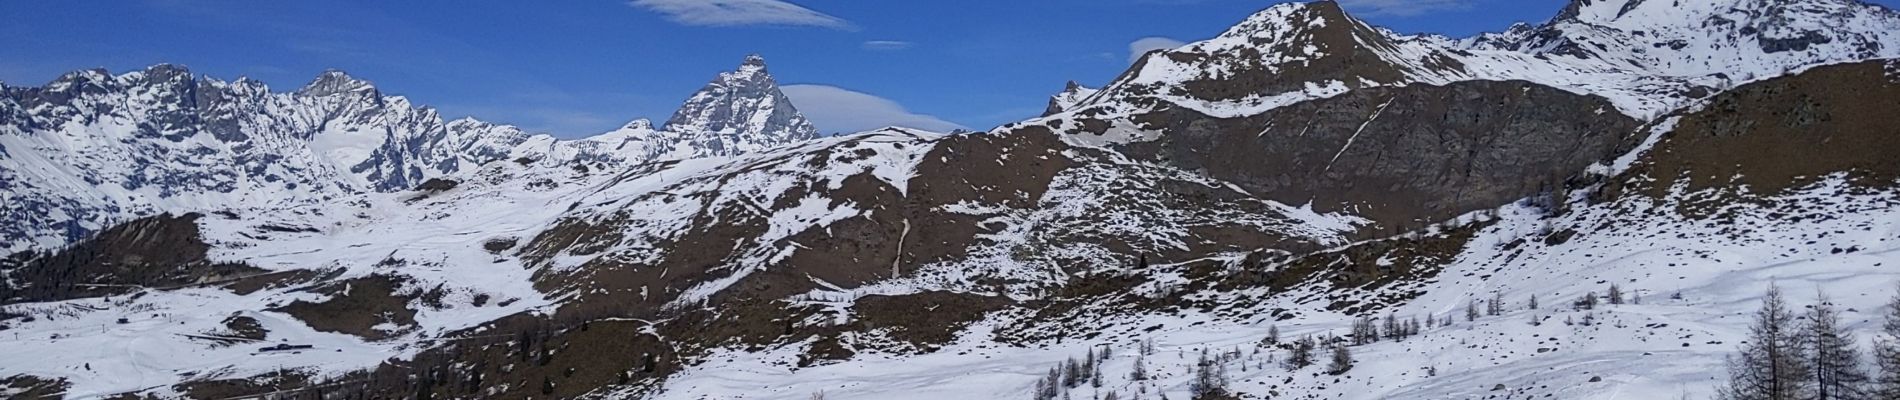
{"x":1589,"y":208}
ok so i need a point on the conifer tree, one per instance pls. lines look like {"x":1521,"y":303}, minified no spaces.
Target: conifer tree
{"x":1837,"y":371}
{"x":1050,"y":385}
{"x":1471,"y":311}
{"x":1616,"y":294}
{"x":1072,"y":373}
{"x":1140,"y":373}
{"x":1210,"y":382}
{"x":1770,"y":365}
{"x":1886,"y":384}
{"x":1533,"y":302}
{"x":1342,"y":361}
{"x":1363,"y":331}
{"x":1301,"y":355}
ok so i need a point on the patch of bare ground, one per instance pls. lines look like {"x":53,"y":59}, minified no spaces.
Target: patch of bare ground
{"x":33,"y":387}
{"x":1764,"y":138}
{"x":160,"y":252}
{"x":1361,"y":278}
{"x":357,"y":307}
{"x":927,"y":320}
{"x":245,"y":387}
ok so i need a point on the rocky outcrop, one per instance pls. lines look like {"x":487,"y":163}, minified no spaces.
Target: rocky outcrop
{"x":1404,"y":156}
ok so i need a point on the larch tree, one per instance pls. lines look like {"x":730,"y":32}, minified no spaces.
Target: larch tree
{"x":1342,"y":361}
{"x":1140,"y":373}
{"x":1886,"y":384}
{"x":1770,"y":365}
{"x":1210,"y":381}
{"x":1836,"y":364}
{"x":1301,"y":355}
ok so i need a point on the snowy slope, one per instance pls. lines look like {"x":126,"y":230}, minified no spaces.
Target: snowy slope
{"x":437,"y":240}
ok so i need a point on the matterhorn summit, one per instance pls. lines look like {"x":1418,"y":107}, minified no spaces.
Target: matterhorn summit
{"x":740,"y":111}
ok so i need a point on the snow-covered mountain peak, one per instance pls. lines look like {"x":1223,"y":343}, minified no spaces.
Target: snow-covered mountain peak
{"x":79,"y":81}
{"x":1732,"y":39}
{"x":753,"y":62}
{"x":1072,"y":94}
{"x":1281,"y":19}
{"x":162,"y":139}
{"x":741,"y":109}
{"x":164,"y":73}
{"x":638,"y":124}
{"x":334,"y":81}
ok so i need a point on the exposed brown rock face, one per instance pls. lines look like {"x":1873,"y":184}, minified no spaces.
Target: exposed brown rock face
{"x":1784,"y":133}
{"x":1402,"y":156}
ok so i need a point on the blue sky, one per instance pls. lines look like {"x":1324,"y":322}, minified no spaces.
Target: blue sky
{"x":580,"y":67}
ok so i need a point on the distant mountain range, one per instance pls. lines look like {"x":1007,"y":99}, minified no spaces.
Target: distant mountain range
{"x":1196,"y":221}
{"x":91,"y":149}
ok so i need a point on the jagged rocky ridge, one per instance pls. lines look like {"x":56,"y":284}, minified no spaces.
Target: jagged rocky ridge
{"x":1195,"y":201}
{"x":91,"y":149}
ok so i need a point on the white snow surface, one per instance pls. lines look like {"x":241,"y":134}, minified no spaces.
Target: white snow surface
{"x":436,"y":240}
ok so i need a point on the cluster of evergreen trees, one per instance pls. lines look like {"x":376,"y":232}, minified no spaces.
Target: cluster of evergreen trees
{"x":1210,"y":377}
{"x":1367,"y":330}
{"x":1072,"y":374}
{"x":1812,"y":356}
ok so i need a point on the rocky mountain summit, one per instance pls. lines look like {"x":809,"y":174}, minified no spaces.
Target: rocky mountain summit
{"x":1193,"y":225}
{"x":91,"y":149}
{"x":741,"y":111}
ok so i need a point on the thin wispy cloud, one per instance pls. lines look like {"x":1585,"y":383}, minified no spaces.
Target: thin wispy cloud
{"x":1402,"y":8}
{"x":887,"y":45}
{"x":835,"y":109}
{"x":741,"y":12}
{"x":1142,"y":46}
